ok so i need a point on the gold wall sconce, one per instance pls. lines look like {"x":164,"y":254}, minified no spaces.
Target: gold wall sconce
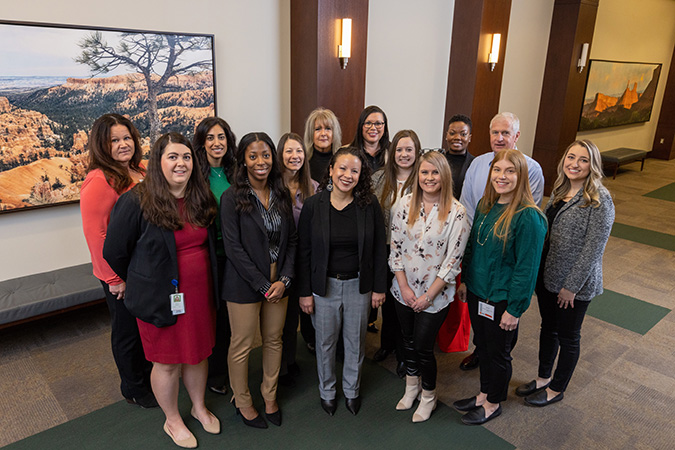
{"x":493,"y":57}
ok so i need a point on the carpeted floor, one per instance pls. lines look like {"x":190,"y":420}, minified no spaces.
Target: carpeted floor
{"x":59,"y":372}
{"x":665,"y":193}
{"x":305,"y":424}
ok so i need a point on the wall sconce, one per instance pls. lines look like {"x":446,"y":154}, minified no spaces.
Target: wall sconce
{"x":584,"y":57}
{"x":345,"y":47}
{"x":493,"y":57}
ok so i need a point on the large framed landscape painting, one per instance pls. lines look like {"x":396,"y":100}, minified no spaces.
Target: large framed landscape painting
{"x":55,"y":80}
{"x":618,"y":93}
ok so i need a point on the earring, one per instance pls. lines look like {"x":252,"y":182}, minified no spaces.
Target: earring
{"x":329,"y":186}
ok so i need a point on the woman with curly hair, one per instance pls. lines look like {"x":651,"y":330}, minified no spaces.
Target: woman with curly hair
{"x":342,"y":270}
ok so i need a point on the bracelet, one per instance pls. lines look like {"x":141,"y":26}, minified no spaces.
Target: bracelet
{"x":429,"y":301}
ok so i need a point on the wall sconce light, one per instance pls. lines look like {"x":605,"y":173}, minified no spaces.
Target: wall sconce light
{"x":584,"y":57}
{"x":345,"y":47}
{"x":493,"y":57}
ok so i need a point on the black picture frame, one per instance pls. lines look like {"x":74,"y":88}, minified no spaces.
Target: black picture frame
{"x":46,"y":111}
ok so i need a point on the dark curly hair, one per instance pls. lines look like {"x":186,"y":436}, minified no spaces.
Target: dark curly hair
{"x":100,"y":152}
{"x":199,"y":139}
{"x":362,"y":191}
{"x":159,"y":206}
{"x":275,"y":182}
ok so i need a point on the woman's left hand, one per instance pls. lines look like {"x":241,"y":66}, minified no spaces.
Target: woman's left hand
{"x":566,"y":298}
{"x":275,"y":292}
{"x":420,"y":303}
{"x":508,"y":322}
{"x":377,"y":299}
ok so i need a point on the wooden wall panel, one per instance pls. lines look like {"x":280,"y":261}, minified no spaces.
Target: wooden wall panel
{"x":317,"y":78}
{"x":664,"y":138}
{"x":562,"y":92}
{"x":473,"y":89}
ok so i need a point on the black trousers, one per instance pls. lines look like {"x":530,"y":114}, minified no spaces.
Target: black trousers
{"x":127,"y":349}
{"x":290,"y":332}
{"x":218,"y":360}
{"x":559,"y":336}
{"x":419,"y":332}
{"x":493,"y":346}
{"x":391,"y":337}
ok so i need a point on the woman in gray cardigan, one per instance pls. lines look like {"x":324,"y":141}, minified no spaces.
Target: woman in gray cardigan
{"x":580,"y":213}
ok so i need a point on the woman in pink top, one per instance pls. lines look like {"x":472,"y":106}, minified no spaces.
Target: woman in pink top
{"x":114,"y":167}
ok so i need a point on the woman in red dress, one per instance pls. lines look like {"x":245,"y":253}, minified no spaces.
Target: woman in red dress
{"x":161,"y":241}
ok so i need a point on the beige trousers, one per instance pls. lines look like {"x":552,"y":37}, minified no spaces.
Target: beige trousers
{"x":244,"y":320}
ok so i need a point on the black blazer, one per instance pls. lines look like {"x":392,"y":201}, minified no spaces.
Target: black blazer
{"x":314,"y":245}
{"x":144,"y":256}
{"x":247,"y":264}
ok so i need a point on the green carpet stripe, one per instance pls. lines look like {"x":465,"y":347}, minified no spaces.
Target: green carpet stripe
{"x":305,"y":424}
{"x":642,"y":236}
{"x":667,"y":192}
{"x":626,"y":312}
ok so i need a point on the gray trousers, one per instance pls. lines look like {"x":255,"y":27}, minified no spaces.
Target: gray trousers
{"x":344,"y":308}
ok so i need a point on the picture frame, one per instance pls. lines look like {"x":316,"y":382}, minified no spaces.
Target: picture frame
{"x":56,"y":79}
{"x":618,"y":93}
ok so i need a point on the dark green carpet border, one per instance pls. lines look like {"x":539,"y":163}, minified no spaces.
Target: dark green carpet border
{"x":626,"y":312}
{"x":642,"y":236}
{"x":667,"y":192}
{"x":305,"y":424}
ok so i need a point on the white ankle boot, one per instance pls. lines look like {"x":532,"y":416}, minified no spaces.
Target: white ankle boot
{"x":412,"y":392}
{"x":427,"y":404}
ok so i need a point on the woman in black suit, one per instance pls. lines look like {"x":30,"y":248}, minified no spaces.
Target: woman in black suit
{"x":342,"y":270}
{"x":161,"y":241}
{"x":259,"y":238}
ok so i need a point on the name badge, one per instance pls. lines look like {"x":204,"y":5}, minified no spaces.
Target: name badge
{"x":177,"y":303}
{"x":487,"y":311}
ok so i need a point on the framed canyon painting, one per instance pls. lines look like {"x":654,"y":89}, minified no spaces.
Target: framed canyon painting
{"x":55,"y":80}
{"x":618,"y":93}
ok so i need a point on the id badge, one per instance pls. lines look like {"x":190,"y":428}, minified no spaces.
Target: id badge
{"x":177,"y":303}
{"x":487,"y":311}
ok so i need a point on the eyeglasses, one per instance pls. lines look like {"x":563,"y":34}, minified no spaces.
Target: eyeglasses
{"x":377,"y":125}
{"x":424,"y":151}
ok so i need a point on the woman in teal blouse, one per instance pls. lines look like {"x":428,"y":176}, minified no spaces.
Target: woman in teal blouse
{"x":499,"y":274}
{"x":214,"y":144}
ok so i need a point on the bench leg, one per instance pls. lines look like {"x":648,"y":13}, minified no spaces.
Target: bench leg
{"x":642,"y":166}
{"x":616,"y":169}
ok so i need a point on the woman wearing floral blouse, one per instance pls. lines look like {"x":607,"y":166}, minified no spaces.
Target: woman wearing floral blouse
{"x":428,"y":234}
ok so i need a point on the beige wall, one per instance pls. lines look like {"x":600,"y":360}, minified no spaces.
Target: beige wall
{"x":644,"y":31}
{"x":524,"y":65}
{"x":252,"y":42}
{"x":407,"y":67}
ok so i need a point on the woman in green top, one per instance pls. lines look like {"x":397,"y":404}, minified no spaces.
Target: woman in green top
{"x":499,"y":273}
{"x":214,"y":144}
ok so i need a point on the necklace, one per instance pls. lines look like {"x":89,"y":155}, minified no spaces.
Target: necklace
{"x":218,"y":171}
{"x":479,"y":228}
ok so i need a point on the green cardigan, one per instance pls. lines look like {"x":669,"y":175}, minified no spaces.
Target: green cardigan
{"x":497,"y":273}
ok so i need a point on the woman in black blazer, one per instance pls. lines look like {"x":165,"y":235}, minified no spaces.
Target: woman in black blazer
{"x":259,"y":238}
{"x":161,"y":241}
{"x":342,"y":270}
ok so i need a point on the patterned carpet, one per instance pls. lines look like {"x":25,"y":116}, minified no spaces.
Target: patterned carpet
{"x":621,"y":396}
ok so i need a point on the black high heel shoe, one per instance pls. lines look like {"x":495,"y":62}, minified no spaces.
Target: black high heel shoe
{"x":257,"y":422}
{"x":275,"y":417}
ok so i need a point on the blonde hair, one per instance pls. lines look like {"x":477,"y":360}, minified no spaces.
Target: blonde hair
{"x":522,"y":195}
{"x":445,"y":205}
{"x":327,"y":118}
{"x":593,"y":182}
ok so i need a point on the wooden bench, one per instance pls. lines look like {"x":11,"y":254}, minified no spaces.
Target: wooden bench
{"x":47,"y":293}
{"x":619,"y":156}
